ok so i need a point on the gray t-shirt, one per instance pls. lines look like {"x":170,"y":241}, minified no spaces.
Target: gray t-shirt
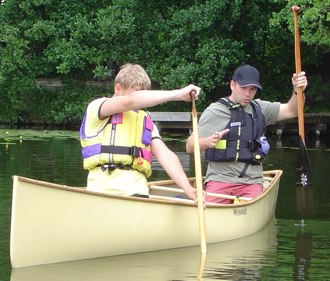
{"x":215,"y":118}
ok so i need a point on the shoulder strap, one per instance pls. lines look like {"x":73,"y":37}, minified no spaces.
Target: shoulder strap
{"x":258,"y":117}
{"x":229,"y":104}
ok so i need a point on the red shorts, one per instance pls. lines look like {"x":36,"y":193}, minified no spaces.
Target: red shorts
{"x":234,"y":189}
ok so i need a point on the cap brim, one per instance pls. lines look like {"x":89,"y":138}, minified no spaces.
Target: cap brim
{"x":249,"y":83}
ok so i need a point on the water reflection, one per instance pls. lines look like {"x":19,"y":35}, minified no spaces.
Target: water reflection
{"x":303,"y":254}
{"x":239,"y":259}
{"x":243,"y":259}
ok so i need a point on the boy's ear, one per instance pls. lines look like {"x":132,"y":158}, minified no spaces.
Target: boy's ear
{"x":117,"y":87}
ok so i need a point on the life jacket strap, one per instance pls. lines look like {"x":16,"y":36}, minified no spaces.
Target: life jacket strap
{"x":241,"y":175}
{"x":116,"y":149}
{"x":111,"y":167}
{"x":251,"y":144}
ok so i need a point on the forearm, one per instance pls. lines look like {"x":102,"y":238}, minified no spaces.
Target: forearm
{"x":293,"y":104}
{"x":290,"y":109}
{"x":149,"y":98}
{"x":128,"y":100}
{"x":174,"y":169}
{"x":203,"y":144}
{"x":136,"y":101}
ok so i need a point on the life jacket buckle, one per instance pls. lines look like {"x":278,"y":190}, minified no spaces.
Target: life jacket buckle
{"x":134,"y":151}
{"x":252,"y":145}
{"x":112,"y":167}
{"x":109,"y":167}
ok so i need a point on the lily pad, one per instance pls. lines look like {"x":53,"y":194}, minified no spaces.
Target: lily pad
{"x":16,"y":135}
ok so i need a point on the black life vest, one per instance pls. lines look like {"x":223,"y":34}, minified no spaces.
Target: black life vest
{"x":245,"y":141}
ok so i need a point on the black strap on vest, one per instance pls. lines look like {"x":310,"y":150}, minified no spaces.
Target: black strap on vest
{"x":116,"y":149}
{"x":242,"y":173}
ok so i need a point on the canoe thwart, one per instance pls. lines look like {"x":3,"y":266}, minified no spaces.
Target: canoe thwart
{"x":180,"y":191}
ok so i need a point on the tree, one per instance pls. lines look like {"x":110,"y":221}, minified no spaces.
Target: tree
{"x":314,"y":19}
{"x":178,"y":42}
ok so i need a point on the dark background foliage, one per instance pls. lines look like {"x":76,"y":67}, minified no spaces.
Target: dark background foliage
{"x":79,"y":45}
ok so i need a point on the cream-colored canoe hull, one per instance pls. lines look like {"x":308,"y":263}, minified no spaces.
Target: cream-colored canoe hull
{"x":244,"y":255}
{"x":54,"y":223}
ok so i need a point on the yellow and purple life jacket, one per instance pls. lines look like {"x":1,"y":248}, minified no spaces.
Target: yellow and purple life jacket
{"x":123,"y":142}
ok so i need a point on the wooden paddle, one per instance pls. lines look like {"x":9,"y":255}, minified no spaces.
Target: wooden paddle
{"x":199,"y":183}
{"x":303,"y":170}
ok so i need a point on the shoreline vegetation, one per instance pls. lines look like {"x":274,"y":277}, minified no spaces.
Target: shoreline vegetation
{"x":316,"y":125}
{"x":55,"y":58}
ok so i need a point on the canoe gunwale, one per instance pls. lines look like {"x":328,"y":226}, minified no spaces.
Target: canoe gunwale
{"x":157,"y":199}
{"x":166,"y":200}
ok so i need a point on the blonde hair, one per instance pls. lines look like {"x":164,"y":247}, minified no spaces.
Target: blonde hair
{"x":131,"y":75}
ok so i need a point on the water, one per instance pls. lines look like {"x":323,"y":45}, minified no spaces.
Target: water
{"x":294,"y":246}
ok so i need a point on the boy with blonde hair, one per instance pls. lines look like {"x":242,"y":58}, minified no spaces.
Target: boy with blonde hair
{"x":119,"y":139}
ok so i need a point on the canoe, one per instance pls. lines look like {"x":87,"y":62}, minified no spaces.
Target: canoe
{"x":53,"y":223}
{"x":228,"y":260}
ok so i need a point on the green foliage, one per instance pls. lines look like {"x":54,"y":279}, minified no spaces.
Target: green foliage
{"x":65,"y":105}
{"x":178,"y":42}
{"x":313,"y":22}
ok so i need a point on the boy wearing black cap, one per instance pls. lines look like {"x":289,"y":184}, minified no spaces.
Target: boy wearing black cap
{"x":231,"y":132}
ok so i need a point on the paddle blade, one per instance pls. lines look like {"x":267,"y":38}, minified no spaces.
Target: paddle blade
{"x":303,"y":170}
{"x":304,"y":197}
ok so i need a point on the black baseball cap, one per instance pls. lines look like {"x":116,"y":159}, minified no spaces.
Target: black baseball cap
{"x":247,"y":75}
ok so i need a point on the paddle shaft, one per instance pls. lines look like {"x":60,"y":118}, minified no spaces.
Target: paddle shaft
{"x":199,"y":183}
{"x":300,"y":98}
